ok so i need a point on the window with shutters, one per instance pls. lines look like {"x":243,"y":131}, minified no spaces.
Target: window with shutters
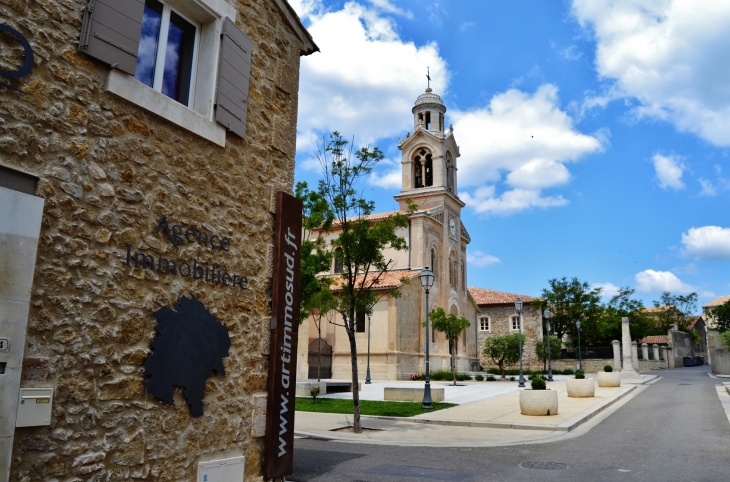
{"x":167,"y":51}
{"x":183,"y":60}
{"x":514,"y":323}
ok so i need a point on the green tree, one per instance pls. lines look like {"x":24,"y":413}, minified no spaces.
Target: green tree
{"x":503,"y":350}
{"x":361,"y":240}
{"x":623,"y":305}
{"x":722,"y":315}
{"x":684,"y":305}
{"x":570,"y":301}
{"x":541,"y":350}
{"x":316,"y":257}
{"x":452,"y":327}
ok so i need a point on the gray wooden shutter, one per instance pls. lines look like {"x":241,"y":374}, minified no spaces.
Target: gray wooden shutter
{"x":111,"y":30}
{"x":233,"y":77}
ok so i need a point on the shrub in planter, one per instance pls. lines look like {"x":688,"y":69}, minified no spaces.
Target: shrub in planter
{"x":538,"y":383}
{"x":512,"y":379}
{"x":539,"y":400}
{"x":490,"y":378}
{"x":479,"y":378}
{"x":580,"y":386}
{"x":609,"y":378}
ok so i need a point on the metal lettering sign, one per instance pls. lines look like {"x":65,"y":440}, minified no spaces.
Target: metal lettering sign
{"x":284,"y":333}
{"x":27,"y":63}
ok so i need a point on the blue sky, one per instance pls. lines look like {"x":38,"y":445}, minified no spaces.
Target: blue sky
{"x":594,"y":136}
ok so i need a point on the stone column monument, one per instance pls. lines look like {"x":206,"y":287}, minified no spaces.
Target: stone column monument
{"x":655,"y":349}
{"x":616,"y":355}
{"x":645,"y":351}
{"x":635,"y":355}
{"x":628,"y":370}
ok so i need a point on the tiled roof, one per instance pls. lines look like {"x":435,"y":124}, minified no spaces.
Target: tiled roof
{"x":654,"y":339}
{"x":717,"y":302}
{"x":389,"y":279}
{"x":693,"y":319}
{"x":484,"y":296}
{"x":658,"y":309}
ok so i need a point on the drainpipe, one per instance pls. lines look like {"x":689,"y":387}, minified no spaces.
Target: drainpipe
{"x":409,"y":244}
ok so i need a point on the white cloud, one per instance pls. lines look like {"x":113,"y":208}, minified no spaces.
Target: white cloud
{"x":386,"y":6}
{"x":669,"y":55}
{"x":365,"y":79}
{"x":609,"y":290}
{"x":708,"y":189}
{"x":466,"y":26}
{"x":480,"y":259}
{"x":708,"y":243}
{"x":669,"y":170}
{"x":523,"y":141}
{"x":389,"y":176}
{"x":650,"y":281}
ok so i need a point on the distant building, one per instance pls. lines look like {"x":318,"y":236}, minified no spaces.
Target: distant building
{"x":710,"y":307}
{"x":497,"y":317}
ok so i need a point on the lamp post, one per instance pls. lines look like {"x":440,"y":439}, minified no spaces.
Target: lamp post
{"x":427,"y":277}
{"x":580,"y":358}
{"x":546,"y":314}
{"x":367,"y":374}
{"x":518,"y":307}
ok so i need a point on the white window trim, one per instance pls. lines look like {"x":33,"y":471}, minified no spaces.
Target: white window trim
{"x":198,"y":118}
{"x":511,"y":324}
{"x":489,"y":324}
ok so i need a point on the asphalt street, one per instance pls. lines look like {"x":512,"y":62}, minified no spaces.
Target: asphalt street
{"x":675,"y":430}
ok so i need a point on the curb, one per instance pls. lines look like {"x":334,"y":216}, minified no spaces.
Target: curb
{"x":550,"y":431}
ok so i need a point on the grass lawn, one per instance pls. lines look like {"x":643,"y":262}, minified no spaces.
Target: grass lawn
{"x":367,"y":407}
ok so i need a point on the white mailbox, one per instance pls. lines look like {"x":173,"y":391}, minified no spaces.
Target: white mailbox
{"x":34,"y":407}
{"x":224,"y":470}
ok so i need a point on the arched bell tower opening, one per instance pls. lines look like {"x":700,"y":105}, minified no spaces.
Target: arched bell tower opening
{"x":423,"y":169}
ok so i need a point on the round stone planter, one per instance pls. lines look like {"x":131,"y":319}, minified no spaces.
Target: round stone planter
{"x":539,"y":402}
{"x":609,"y":379}
{"x":583,"y":388}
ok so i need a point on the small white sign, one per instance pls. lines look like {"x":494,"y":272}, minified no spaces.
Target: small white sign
{"x":4,"y":344}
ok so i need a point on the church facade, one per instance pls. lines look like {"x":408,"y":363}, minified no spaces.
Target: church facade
{"x":436,"y":239}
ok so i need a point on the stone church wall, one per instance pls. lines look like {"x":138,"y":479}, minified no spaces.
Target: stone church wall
{"x":108,"y":171}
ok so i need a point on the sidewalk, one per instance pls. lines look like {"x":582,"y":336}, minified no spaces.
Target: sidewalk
{"x":490,"y":417}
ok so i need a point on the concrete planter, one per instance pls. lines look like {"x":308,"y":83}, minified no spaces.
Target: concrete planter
{"x":583,"y":388}
{"x":609,"y":379}
{"x":539,"y":402}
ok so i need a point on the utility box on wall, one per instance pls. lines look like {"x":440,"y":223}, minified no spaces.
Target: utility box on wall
{"x":224,"y":470}
{"x":34,"y":407}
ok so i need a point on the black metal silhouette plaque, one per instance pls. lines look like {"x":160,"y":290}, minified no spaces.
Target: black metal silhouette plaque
{"x":190,"y":345}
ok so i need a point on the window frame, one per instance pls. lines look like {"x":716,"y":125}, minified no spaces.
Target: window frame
{"x":489,"y":324}
{"x":199,"y":116}
{"x":161,"y":56}
{"x":514,"y":320}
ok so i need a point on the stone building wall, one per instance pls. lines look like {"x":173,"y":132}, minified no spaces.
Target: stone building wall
{"x":500,"y":316}
{"x":108,"y":171}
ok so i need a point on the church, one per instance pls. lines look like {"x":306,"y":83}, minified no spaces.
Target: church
{"x":437,"y":239}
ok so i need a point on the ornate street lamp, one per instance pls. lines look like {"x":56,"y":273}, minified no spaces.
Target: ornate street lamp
{"x":367,"y":375}
{"x":580,"y":358}
{"x":546,"y":315}
{"x":518,"y":307}
{"x":427,"y":277}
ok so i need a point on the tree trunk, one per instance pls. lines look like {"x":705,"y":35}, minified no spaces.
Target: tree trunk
{"x":453,"y":360}
{"x":501,"y":367}
{"x":355,"y":393}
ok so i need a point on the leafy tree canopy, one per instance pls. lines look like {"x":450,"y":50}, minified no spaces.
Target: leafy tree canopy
{"x":452,"y":327}
{"x":623,"y":305}
{"x":503,"y":351}
{"x":570,"y":301}
{"x":722,"y":315}
{"x":684,"y":305}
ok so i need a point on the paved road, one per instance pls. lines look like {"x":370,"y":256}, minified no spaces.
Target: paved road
{"x":675,"y":430}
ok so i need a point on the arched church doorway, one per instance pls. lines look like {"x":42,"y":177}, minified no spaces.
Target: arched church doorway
{"x":320,"y":359}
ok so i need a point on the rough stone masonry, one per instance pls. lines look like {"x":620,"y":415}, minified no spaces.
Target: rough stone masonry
{"x":108,"y":171}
